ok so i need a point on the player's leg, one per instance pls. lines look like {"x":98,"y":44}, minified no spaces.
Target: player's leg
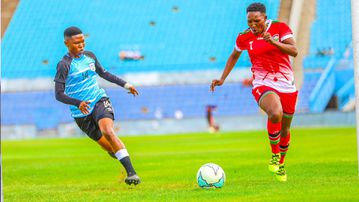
{"x":281,"y":174}
{"x":88,"y":125}
{"x":288,"y":103}
{"x":106,"y":127}
{"x":106,"y":146}
{"x":104,"y":116}
{"x":284,"y":136}
{"x":269,"y":101}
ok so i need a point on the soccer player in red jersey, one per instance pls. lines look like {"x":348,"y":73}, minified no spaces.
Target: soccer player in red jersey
{"x":269,"y":44}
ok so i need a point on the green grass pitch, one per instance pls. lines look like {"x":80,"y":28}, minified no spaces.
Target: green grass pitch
{"x":321,"y":166}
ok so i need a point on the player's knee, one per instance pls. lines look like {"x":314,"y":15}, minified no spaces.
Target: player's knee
{"x":107,"y":132}
{"x":275,"y":116}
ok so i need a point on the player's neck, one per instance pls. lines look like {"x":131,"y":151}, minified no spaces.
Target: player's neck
{"x":266,"y":24}
{"x":73,"y":55}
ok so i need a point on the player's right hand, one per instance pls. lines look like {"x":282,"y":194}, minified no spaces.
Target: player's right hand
{"x":133,"y":91}
{"x":84,"y":107}
{"x":215,"y":83}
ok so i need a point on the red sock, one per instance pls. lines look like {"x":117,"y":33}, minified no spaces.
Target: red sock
{"x":283,"y":147}
{"x":274,"y":135}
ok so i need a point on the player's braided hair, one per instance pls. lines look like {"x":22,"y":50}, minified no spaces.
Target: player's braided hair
{"x":71,"y":31}
{"x":256,"y":7}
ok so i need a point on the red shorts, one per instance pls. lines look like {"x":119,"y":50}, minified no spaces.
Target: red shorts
{"x":288,"y":100}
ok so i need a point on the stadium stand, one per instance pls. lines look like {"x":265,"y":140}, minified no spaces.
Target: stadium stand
{"x":332,"y":16}
{"x":174,"y":36}
{"x":183,"y":35}
{"x":191,"y":100}
{"x":326,"y":36}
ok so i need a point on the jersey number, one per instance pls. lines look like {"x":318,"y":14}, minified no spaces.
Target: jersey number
{"x":85,"y":75}
{"x":250,"y":45}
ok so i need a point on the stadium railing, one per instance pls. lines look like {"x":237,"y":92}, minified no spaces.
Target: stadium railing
{"x":346,"y":93}
{"x":324,"y":89}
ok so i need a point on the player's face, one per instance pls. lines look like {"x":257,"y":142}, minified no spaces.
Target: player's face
{"x":75,"y":44}
{"x":256,"y":22}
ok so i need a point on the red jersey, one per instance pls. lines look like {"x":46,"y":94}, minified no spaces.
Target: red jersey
{"x":270,"y":66}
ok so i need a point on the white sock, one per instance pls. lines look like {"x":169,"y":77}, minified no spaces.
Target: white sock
{"x":122,"y":153}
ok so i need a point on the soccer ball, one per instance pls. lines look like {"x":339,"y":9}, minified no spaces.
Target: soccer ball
{"x":210,"y":175}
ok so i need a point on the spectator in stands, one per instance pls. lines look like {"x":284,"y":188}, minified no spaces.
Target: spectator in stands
{"x":330,"y":51}
{"x":212,"y":126}
{"x":76,"y":85}
{"x":269,"y":44}
{"x":325,"y":52}
{"x":321,"y":52}
{"x":130,"y":55}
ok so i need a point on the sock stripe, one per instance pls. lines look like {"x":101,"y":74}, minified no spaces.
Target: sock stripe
{"x":284,"y":150}
{"x":275,"y":135}
{"x":272,"y":138}
{"x":274,"y":141}
{"x":284,"y":147}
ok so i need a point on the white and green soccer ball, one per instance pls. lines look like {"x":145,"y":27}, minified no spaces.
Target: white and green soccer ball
{"x":211,"y":175}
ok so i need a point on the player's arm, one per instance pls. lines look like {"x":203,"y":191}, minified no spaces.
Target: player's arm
{"x":287,"y":46}
{"x":62,"y":97}
{"x":232,"y":60}
{"x":114,"y":79}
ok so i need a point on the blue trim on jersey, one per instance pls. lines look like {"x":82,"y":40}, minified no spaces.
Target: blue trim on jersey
{"x":81,"y":84}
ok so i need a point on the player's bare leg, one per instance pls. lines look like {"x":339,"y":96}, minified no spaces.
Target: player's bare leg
{"x":106,"y":127}
{"x":272,"y":106}
{"x":270,"y":103}
{"x":106,"y":146}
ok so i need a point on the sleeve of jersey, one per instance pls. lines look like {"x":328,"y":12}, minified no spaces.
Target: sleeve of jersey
{"x":62,"y":97}
{"x":240,"y":46}
{"x":107,"y":75}
{"x":60,"y":80}
{"x":61,"y":73}
{"x":285,"y":32}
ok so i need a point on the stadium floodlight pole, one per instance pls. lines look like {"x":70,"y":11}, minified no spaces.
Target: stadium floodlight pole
{"x":355,"y":30}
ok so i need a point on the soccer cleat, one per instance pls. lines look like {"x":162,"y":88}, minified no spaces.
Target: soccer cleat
{"x":133,"y":179}
{"x":274,"y":163}
{"x":281,"y":175}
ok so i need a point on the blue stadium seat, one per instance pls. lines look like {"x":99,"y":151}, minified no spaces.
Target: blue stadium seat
{"x":331,"y":29}
{"x":180,"y":41}
{"x":310,"y":80}
{"x":232,"y":99}
{"x":45,"y":112}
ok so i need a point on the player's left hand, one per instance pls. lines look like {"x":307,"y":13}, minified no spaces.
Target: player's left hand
{"x":133,"y":91}
{"x":268,"y":37}
{"x":248,"y":82}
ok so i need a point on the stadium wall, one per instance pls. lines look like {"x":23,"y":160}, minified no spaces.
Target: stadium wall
{"x":178,"y":126}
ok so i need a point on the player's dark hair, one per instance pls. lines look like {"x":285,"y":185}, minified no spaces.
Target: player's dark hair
{"x":71,"y":31}
{"x":254,"y":7}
